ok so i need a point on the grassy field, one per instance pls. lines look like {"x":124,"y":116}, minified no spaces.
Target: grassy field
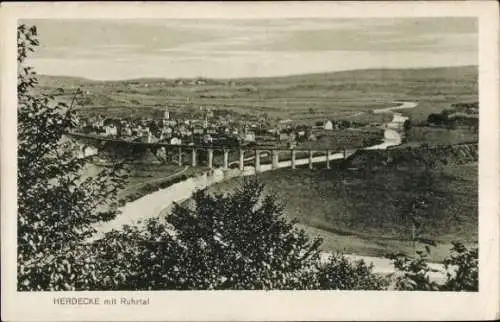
{"x":339,"y":95}
{"x":418,"y":135}
{"x":361,"y":213}
{"x":143,"y":175}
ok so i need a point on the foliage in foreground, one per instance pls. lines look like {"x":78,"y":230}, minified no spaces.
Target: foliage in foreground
{"x":466,"y":277}
{"x":239,"y":241}
{"x":413,"y":274}
{"x":57,"y":204}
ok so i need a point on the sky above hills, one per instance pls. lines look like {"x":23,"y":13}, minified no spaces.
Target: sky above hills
{"x":124,"y":49}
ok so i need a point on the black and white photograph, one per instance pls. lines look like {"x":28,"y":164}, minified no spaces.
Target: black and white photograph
{"x":257,"y":154}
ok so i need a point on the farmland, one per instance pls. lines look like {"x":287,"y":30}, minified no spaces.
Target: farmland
{"x":305,"y":98}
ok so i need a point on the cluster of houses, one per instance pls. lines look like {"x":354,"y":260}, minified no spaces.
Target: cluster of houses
{"x":172,"y":131}
{"x":207,"y":130}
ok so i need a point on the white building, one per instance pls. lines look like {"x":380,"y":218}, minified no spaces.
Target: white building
{"x":162,"y":153}
{"x":87,"y":151}
{"x":111,"y":130}
{"x":175,"y":141}
{"x":283,"y":137}
{"x":146,"y":135}
{"x":166,"y":114}
{"x":328,"y":125}
{"x":249,"y":137}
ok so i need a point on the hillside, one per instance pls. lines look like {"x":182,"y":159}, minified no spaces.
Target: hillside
{"x":363,"y":212}
{"x":313,"y":96}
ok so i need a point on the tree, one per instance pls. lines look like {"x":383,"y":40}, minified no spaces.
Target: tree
{"x":239,"y":241}
{"x":419,"y":207}
{"x":57,"y":203}
{"x":465,"y":263}
{"x":413,"y":272}
{"x":436,"y":119}
{"x":242,"y":241}
{"x":407,"y":125}
{"x":461,"y":270}
{"x":418,"y":211}
{"x":338,"y":273}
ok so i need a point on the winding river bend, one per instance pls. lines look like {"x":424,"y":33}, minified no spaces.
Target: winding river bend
{"x":153,"y":204}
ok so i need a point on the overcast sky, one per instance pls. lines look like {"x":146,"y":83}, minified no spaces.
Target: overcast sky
{"x":122,"y":49}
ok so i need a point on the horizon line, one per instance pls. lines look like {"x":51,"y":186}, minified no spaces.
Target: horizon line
{"x":261,"y":77}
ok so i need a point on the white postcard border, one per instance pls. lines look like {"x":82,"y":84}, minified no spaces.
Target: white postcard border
{"x":255,"y":305}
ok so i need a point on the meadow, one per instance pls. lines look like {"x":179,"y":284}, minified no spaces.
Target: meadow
{"x":363,"y":212}
{"x":419,"y":135}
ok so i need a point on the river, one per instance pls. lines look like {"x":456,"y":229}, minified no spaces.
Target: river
{"x":153,"y":204}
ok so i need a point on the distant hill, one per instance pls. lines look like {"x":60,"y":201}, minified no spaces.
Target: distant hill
{"x":63,"y":81}
{"x":306,"y":97}
{"x":402,"y":73}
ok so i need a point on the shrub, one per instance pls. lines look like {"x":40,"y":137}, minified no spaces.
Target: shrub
{"x":465,"y":274}
{"x":338,"y":273}
{"x":461,"y":266}
{"x":414,"y":272}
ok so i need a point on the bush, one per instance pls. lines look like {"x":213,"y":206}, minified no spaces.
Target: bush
{"x":465,"y":276}
{"x":461,"y":267}
{"x":414,"y":273}
{"x":338,"y":273}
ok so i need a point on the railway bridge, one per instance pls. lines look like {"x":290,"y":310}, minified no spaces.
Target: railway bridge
{"x":204,"y":155}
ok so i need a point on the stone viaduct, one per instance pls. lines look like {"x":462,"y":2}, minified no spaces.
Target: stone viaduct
{"x":93,"y":145}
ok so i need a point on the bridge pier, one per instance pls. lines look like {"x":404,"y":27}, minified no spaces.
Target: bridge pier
{"x":226,"y":159}
{"x":242,"y":160}
{"x":310,"y":159}
{"x":328,"y":159}
{"x":180,"y":156}
{"x":293,"y":159}
{"x":275,"y":158}
{"x":345,"y":154}
{"x":210,"y":158}
{"x":257,"y":160}
{"x":193,"y":157}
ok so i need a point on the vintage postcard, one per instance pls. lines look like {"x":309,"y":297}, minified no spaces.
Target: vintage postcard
{"x":250,"y":161}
